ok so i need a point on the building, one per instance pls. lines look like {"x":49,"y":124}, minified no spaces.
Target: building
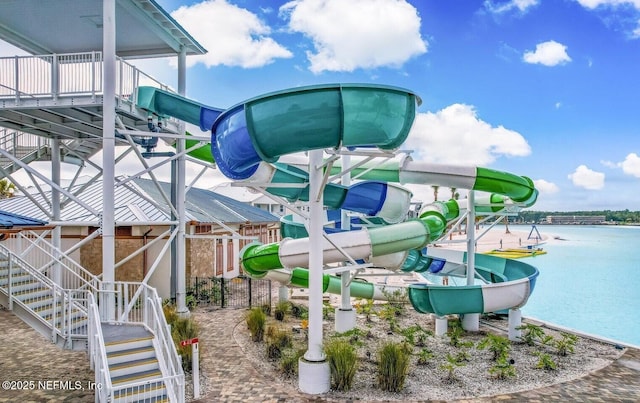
{"x":576,"y":219}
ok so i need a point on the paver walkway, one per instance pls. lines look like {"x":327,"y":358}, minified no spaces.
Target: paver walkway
{"x":27,"y":356}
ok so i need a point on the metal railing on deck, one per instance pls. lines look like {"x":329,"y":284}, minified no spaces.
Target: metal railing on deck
{"x":70,"y":74}
{"x":19,"y":144}
{"x":98,"y":353}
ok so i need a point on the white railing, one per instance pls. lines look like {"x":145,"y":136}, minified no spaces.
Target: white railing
{"x":34,"y":247}
{"x":20,"y":144}
{"x":139,"y":303}
{"x":70,"y":74}
{"x":98,"y":353}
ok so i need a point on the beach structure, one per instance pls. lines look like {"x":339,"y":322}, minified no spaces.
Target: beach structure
{"x":351,"y":133}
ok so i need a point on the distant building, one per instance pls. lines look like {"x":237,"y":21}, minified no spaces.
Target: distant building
{"x":576,"y":219}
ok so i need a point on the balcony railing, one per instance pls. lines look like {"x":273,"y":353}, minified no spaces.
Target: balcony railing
{"x":67,"y":75}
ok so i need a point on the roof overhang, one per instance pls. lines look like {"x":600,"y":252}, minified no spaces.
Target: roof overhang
{"x":143,"y":28}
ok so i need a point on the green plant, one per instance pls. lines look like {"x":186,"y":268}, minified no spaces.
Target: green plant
{"x":327,"y":310}
{"x":389,"y":313}
{"x":184,"y":329}
{"x":566,"y":344}
{"x":256,"y":320}
{"x":450,"y":366}
{"x":289,"y":361}
{"x":354,"y":336}
{"x":531,"y":333}
{"x":393,"y":366}
{"x":416,"y":335}
{"x":455,"y":334}
{"x":498,"y":345}
{"x":266,"y":308}
{"x":170,"y":313}
{"x":424,"y":356}
{"x":277,"y":340}
{"x":502,"y":369}
{"x":343,"y":362}
{"x":397,"y":300}
{"x":281,"y":310}
{"x":545,"y":362}
{"x":299,"y":311}
{"x":365,"y":308}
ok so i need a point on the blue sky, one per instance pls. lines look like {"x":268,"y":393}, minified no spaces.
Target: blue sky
{"x":548,"y":89}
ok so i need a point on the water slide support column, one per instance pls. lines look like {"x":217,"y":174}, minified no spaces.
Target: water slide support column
{"x":345,"y":315}
{"x":515,"y":321}
{"x":313,"y":368}
{"x":471,"y":322}
{"x":180,"y":239}
{"x":107,"y":224}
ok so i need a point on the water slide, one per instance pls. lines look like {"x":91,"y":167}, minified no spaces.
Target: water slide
{"x":248,"y":140}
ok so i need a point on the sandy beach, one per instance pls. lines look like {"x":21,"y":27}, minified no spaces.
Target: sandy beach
{"x":496,"y":238}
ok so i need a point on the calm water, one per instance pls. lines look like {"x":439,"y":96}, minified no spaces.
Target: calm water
{"x":589,"y":280}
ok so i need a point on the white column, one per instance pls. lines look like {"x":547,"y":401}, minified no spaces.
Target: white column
{"x":56,"y":238}
{"x":515,"y":321}
{"x":181,"y":260}
{"x":471,"y":321}
{"x":345,"y":316}
{"x":313,"y":368}
{"x":108,"y":154}
{"x":441,"y":325}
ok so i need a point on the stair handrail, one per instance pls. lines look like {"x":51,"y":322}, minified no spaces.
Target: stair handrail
{"x":169,"y":358}
{"x":98,"y":354}
{"x":86,"y":279}
{"x":57,"y":291}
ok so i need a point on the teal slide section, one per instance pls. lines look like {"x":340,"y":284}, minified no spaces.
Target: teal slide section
{"x":265,"y":128}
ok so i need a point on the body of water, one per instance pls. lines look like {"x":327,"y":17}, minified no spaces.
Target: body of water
{"x":589,"y":280}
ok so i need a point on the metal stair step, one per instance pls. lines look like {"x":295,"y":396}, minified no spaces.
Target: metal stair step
{"x":138,"y":353}
{"x":119,"y":345}
{"x":133,"y":367}
{"x":137,"y":377}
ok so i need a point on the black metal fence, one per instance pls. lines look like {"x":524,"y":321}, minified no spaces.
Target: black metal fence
{"x":238,"y":292}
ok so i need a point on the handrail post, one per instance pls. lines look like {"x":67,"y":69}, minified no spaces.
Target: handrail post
{"x":17,"y":77}
{"x":10,"y":266}
{"x":55,"y":81}
{"x":93,"y":75}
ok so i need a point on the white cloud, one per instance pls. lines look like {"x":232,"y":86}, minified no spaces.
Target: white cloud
{"x":520,"y":5}
{"x":591,"y":4}
{"x":550,"y":53}
{"x":462,"y":138}
{"x":348,"y":35}
{"x":558,"y":105}
{"x":631,"y":165}
{"x":587,"y":178}
{"x":546,"y":187}
{"x":232,"y":35}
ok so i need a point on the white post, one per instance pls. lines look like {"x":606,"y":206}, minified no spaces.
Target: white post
{"x":283,"y":293}
{"x":441,"y":325}
{"x":180,"y":239}
{"x":471,"y":321}
{"x":515,"y":321}
{"x":313,"y":368}
{"x":56,"y":238}
{"x":108,"y":155}
{"x":345,"y":315}
{"x":195,"y":367}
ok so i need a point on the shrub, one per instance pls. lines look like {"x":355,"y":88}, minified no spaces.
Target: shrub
{"x":299,"y":311}
{"x":184,"y":329}
{"x":170,"y":313}
{"x":545,"y":362}
{"x":365,"y":307}
{"x":455,"y":334}
{"x":277,"y":340}
{"x":393,"y":366}
{"x":531,"y":333}
{"x":498,"y":345}
{"x":566,"y":344}
{"x":343,"y":362}
{"x":282,"y":309}
{"x":256,"y":319}
{"x":450,"y":366}
{"x":416,"y":335}
{"x":502,"y":369}
{"x":424,"y":356}
{"x":289,"y":361}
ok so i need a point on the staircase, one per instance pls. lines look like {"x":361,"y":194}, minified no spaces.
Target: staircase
{"x":133,"y":366}
{"x":28,"y":148}
{"x":43,"y":305}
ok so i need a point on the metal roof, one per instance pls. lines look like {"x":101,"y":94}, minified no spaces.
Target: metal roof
{"x":143,"y":28}
{"x":10,"y":220}
{"x":206,"y":206}
{"x":140,"y":201}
